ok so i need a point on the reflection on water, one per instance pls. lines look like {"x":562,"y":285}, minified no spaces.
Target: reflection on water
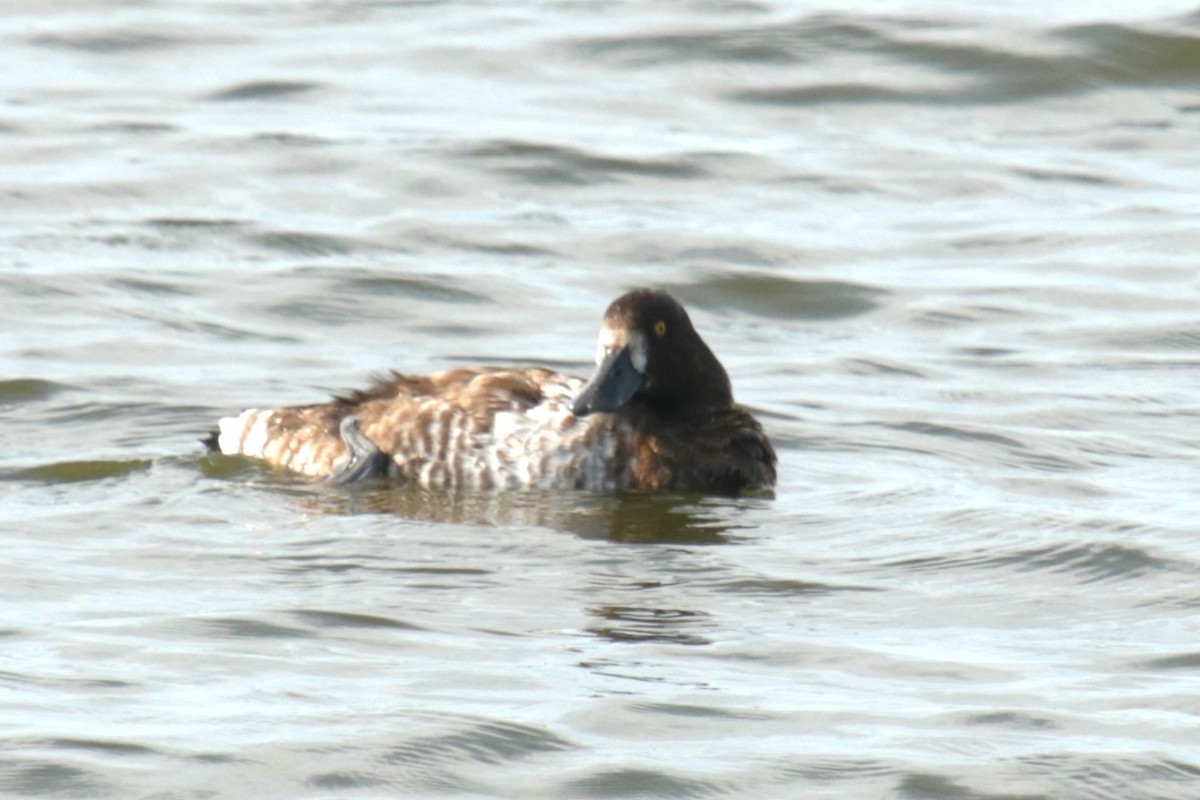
{"x":666,"y":625}
{"x":630,"y":517}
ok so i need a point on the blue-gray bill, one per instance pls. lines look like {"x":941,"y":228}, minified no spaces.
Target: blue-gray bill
{"x":613,"y":384}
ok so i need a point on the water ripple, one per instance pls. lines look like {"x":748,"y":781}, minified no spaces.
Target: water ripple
{"x":305,"y":244}
{"x":800,"y":41}
{"x":439,"y":288}
{"x":16,"y":391}
{"x":546,"y":164}
{"x":641,"y":624}
{"x":1106,"y":775}
{"x":111,"y":42}
{"x":323,"y":618}
{"x":954,"y":73}
{"x":263,"y":90}
{"x":121,"y":748}
{"x":784,"y":587}
{"x":1189,"y":662}
{"x":631,"y":782}
{"x":778,"y":297}
{"x":1088,"y":563}
{"x":77,"y":471}
{"x":41,"y":777}
{"x":485,"y":741}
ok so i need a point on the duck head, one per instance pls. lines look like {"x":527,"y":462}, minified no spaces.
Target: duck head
{"x":649,"y":354}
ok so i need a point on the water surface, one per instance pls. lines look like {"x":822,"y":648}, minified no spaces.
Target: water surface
{"x":948,"y":256}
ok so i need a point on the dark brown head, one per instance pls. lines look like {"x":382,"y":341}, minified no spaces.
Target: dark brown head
{"x":650,"y":354}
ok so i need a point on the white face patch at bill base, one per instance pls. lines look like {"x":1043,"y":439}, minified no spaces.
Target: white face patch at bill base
{"x":637,"y":350}
{"x":615,"y":338}
{"x":610,"y":339}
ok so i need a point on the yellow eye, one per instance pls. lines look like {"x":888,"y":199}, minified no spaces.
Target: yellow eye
{"x":660,"y":328}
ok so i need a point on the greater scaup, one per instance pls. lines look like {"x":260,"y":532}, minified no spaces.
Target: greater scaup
{"x":657,"y":413}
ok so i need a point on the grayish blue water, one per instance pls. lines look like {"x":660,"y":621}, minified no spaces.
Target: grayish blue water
{"x":948,"y":255}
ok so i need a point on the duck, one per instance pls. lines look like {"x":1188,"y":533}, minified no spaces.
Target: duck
{"x":656,"y":414}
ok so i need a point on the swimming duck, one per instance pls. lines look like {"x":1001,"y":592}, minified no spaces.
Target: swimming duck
{"x":657,"y":413}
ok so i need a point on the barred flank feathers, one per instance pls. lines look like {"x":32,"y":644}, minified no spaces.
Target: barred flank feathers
{"x":484,"y":428}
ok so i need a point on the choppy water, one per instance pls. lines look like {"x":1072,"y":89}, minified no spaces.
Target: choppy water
{"x":948,"y":254}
